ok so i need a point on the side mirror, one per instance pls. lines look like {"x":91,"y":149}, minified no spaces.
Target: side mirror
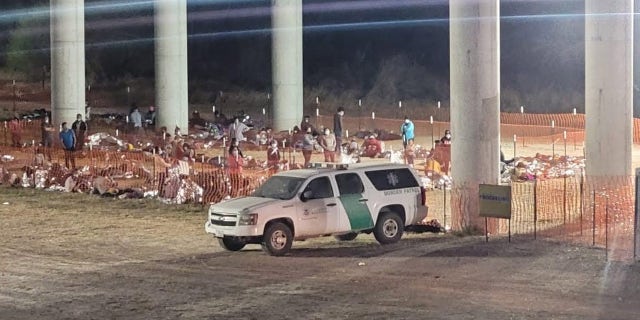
{"x":306,"y":195}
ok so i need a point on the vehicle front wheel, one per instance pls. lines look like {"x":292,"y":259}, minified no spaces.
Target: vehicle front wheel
{"x":231,"y":243}
{"x":346,"y":237}
{"x":389,"y":228}
{"x":277,"y":239}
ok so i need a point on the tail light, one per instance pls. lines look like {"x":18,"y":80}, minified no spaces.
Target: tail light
{"x":423,"y":194}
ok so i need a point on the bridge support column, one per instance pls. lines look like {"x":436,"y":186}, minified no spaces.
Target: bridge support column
{"x":67,"y":60}
{"x":475,"y":105}
{"x":609,"y":87}
{"x":172,"y":80}
{"x":287,"y":63}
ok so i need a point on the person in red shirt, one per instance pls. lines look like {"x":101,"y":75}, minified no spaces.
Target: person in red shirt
{"x":235,"y":162}
{"x":372,"y":147}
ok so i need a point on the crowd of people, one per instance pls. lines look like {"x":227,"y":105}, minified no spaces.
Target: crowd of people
{"x":304,"y":138}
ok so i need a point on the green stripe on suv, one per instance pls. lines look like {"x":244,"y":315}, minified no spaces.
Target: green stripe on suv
{"x":358,"y":212}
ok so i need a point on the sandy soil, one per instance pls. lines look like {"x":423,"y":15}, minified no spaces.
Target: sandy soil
{"x":70,"y":256}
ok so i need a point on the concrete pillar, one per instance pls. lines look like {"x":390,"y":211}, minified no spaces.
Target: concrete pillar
{"x":609,"y":87}
{"x":67,"y":60}
{"x":172,"y":90}
{"x":475,"y":104}
{"x":287,"y":63}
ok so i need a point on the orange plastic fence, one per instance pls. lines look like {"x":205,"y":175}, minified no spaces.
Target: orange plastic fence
{"x":535,"y":128}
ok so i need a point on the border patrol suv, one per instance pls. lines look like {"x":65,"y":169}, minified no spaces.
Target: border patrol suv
{"x":337,"y":200}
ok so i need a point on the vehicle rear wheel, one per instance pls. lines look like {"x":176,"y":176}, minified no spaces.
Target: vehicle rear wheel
{"x":277,"y":239}
{"x":389,"y":228}
{"x":231,"y":243}
{"x":346,"y":237}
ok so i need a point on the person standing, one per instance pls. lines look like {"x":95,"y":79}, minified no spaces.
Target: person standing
{"x":307,"y":147}
{"x":235,"y":162}
{"x":237,"y":130}
{"x":136,"y":119}
{"x":47,"y":136}
{"x":150,"y":117}
{"x":235,"y":144}
{"x":15,"y":128}
{"x":305,"y":124}
{"x":328,"y":144}
{"x":68,"y":140}
{"x":407,"y":130}
{"x":410,"y":153}
{"x":79,"y":127}
{"x":273,"y":157}
{"x":447,"y":137}
{"x":337,"y":129}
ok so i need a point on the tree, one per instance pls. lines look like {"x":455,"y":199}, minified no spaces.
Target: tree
{"x":28,"y":49}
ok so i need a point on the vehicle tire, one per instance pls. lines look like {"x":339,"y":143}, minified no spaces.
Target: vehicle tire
{"x":231,"y":243}
{"x":277,"y":239}
{"x":346,"y":237}
{"x":389,"y":228}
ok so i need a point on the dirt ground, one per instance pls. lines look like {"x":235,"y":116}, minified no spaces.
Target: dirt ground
{"x":73,"y":256}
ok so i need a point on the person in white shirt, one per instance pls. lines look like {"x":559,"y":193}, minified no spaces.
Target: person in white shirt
{"x":237,"y":130}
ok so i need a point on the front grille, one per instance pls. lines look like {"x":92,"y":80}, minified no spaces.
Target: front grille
{"x":223,"y":220}
{"x":223,"y":223}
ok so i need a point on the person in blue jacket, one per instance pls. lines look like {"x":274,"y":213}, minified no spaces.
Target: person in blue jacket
{"x":68,"y":141}
{"x":407,"y":131}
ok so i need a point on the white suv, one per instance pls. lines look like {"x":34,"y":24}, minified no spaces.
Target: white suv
{"x":340,"y":200}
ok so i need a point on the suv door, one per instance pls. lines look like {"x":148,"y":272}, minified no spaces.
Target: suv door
{"x":318,"y":210}
{"x":353,"y":201}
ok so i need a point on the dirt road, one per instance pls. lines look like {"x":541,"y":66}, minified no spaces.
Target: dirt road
{"x":70,"y":256}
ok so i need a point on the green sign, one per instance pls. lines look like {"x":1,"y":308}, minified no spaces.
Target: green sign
{"x":495,"y":201}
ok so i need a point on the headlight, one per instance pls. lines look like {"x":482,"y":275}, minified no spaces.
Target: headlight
{"x":247,"y":219}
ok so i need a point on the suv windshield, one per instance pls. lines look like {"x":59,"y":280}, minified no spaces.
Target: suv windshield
{"x":279,"y":187}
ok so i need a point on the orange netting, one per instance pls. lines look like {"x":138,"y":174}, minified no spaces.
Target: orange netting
{"x":597,"y":212}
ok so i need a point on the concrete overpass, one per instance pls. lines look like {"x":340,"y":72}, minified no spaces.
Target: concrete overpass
{"x":475,"y":82}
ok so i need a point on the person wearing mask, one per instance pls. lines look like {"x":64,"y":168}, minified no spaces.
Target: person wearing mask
{"x":273,"y":157}
{"x":47,"y":136}
{"x":407,"y":130}
{"x":307,"y":147}
{"x":68,"y":141}
{"x":446,"y":139}
{"x":306,"y":124}
{"x":328,"y":144}
{"x":235,"y":162}
{"x":372,"y":147}
{"x":337,"y":129}
{"x":79,"y":127}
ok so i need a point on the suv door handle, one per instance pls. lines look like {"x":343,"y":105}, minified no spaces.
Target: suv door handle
{"x":331,"y":204}
{"x":363,"y":200}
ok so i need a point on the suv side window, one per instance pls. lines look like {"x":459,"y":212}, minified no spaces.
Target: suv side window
{"x":349,"y":183}
{"x":320,"y":188}
{"x":392,"y":179}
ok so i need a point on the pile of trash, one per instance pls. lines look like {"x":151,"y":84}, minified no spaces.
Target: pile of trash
{"x":542,"y":167}
{"x":177,"y":188}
